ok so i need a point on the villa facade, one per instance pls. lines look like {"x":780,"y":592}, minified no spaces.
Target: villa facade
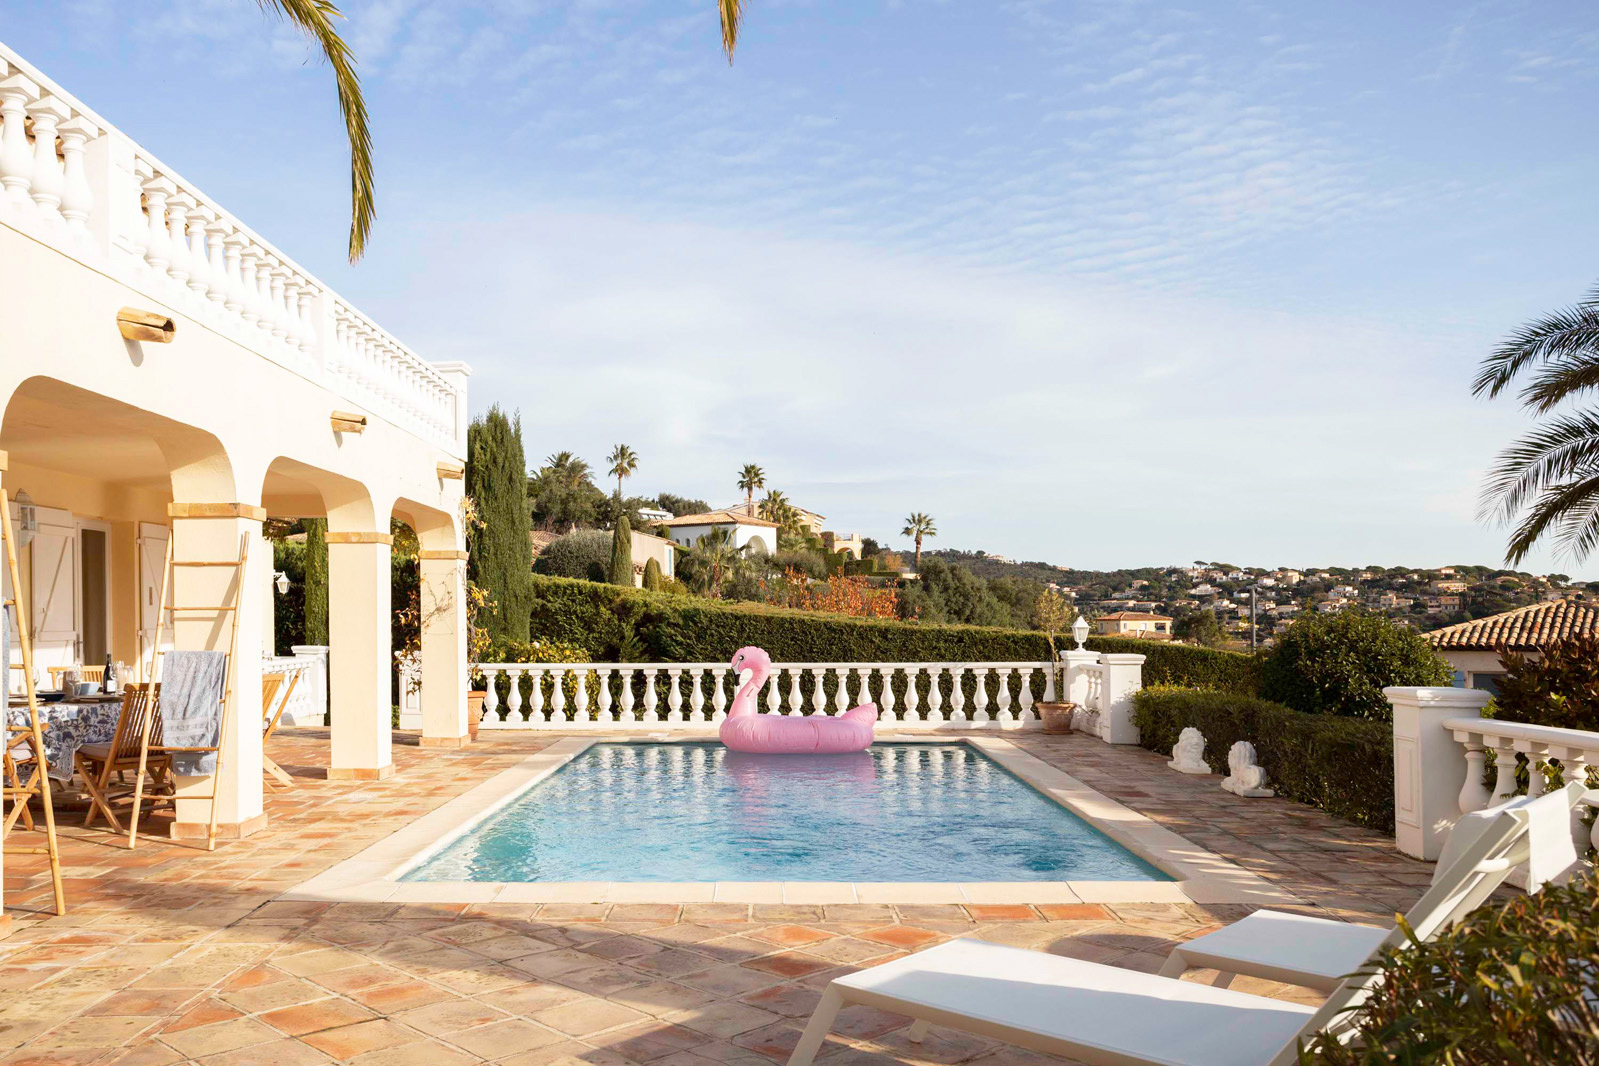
{"x":170,"y":380}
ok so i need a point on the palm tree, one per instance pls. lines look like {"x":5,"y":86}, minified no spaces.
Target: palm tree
{"x":751,"y":478}
{"x":1550,"y":477}
{"x":624,"y":463}
{"x":315,"y":19}
{"x":919,"y":525}
{"x":715,"y":550}
{"x":566,"y":469}
{"x":776,"y":508}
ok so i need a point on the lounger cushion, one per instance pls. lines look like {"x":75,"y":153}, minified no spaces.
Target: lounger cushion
{"x":1099,"y":1014}
{"x":1287,"y":947}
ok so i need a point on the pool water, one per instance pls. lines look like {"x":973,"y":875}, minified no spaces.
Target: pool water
{"x":698,"y":812}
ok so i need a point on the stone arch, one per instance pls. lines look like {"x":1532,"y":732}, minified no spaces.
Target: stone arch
{"x":291,"y":488}
{"x":436,"y":530}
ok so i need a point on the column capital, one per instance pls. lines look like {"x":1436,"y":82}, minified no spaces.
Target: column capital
{"x":359,"y":538}
{"x":247,"y":511}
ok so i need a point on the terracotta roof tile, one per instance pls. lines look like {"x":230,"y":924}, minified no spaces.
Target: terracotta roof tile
{"x":718,"y":518}
{"x":1132,"y":616}
{"x":1532,"y":627}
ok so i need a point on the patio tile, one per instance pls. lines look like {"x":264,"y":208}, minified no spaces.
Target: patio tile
{"x":503,"y":1038}
{"x":220,"y":1036}
{"x":421,"y":1053}
{"x":791,"y":936}
{"x":449,"y":1017}
{"x":649,"y":1041}
{"x":352,"y":1040}
{"x":285,"y":1052}
{"x":312,"y":1017}
{"x":723,"y":1019}
{"x":587,"y":1016}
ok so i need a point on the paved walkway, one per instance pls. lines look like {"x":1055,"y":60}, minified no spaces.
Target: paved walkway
{"x":172,"y":955}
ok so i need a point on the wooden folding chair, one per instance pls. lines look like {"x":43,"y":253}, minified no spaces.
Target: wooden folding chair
{"x":15,"y":790}
{"x":96,"y":763}
{"x":270,"y":685}
{"x":95,"y":674}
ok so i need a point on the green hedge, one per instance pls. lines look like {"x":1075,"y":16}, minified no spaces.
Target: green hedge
{"x":662,"y":627}
{"x":1345,"y":766}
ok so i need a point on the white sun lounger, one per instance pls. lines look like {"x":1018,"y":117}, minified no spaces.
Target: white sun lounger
{"x":1107,"y":1016}
{"x":1319,"y":953}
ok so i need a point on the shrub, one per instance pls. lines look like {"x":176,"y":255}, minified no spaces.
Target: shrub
{"x":576,"y":555}
{"x":1340,"y":663}
{"x":675,"y":628}
{"x":621,"y":572}
{"x":1559,"y":689}
{"x":652,"y":575}
{"x":1510,"y":985}
{"x":1344,"y":766}
{"x":315,"y":555}
{"x":809,"y":563}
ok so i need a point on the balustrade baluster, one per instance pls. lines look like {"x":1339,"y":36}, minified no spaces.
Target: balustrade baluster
{"x":886,"y":700}
{"x":605,"y":695}
{"x":307,"y":328}
{"x":626,"y":674}
{"x":179,"y":257}
{"x":1504,"y":771}
{"x":221,"y":278}
{"x":819,"y":694}
{"x":1537,"y":763}
{"x":957,"y":693}
{"x":696,"y":695}
{"x":1002,"y":712}
{"x":580,"y":699}
{"x":863,"y":675}
{"x":1025,"y":699}
{"x":935,"y":697}
{"x":491,"y":698}
{"x":513,"y":697}
{"x":796,"y":703}
{"x":200,"y":216}
{"x":1574,"y":767}
{"x":913,"y":695}
{"x":236,"y":298}
{"x":980,"y":701}
{"x":77,"y":198}
{"x":674,"y":696}
{"x":16,"y":155}
{"x":719,"y":693}
{"x":1474,"y":794}
{"x":157,"y":243}
{"x":841,"y":697}
{"x":47,"y":114}
{"x":774,"y":695}
{"x":277,"y":281}
{"x":650,"y":713}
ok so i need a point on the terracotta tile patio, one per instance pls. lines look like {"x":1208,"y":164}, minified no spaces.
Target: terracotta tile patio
{"x":172,"y":955}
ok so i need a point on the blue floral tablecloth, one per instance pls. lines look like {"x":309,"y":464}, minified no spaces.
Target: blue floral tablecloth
{"x":69,"y":726}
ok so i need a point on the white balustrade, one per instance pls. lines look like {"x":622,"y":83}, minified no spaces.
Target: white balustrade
{"x":1448,"y":760}
{"x":71,"y":180}
{"x":689,"y":696}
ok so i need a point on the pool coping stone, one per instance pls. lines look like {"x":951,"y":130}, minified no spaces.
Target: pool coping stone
{"x":1201,"y":876}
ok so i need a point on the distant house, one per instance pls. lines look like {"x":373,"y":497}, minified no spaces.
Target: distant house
{"x":1440,"y":604}
{"x":1450,"y":585}
{"x":1332,"y":605}
{"x":843,"y":542}
{"x":811,"y":520}
{"x":654,"y":515}
{"x":1472,"y":648}
{"x":1289,"y":577}
{"x":647,"y":546}
{"x":747,"y":530}
{"x":1347,"y":592}
{"x":1203,"y":590}
{"x":1134,"y":624}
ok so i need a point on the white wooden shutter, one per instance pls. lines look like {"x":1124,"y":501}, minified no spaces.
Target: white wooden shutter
{"x":152,"y":560}
{"x":55,"y":596}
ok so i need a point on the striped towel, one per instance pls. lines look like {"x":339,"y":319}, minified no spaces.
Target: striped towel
{"x":191,"y":707}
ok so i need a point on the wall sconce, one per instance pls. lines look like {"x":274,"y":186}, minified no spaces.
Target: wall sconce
{"x":348,"y":422}
{"x":137,"y":325}
{"x":281,"y":581}
{"x":451,"y":471}
{"x":27,"y":519}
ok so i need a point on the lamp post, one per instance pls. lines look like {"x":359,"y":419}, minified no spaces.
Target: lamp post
{"x":1080,"y":631}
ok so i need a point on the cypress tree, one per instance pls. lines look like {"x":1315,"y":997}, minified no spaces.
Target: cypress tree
{"x":652,"y":576}
{"x":622,"y":553}
{"x":500,"y":558}
{"x":316,"y":581}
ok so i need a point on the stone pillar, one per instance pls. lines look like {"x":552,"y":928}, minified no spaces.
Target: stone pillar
{"x":313,"y":683}
{"x":212,"y":532}
{"x":1429,"y":765}
{"x":359,"y":656}
{"x":443,"y":600}
{"x":1124,"y":675}
{"x":1075,"y":688}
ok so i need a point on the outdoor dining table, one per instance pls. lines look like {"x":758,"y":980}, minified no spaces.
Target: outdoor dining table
{"x":69,"y":724}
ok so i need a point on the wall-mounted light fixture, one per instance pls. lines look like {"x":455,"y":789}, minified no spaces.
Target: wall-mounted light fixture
{"x":281,"y":581}
{"x":348,"y":422}
{"x":451,"y":471}
{"x":137,"y":325}
{"x":27,"y":519}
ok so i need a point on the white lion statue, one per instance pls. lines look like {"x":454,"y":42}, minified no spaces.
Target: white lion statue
{"x":1188,"y":757}
{"x":1245,"y":776}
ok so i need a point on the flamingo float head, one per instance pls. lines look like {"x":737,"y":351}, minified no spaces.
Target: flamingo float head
{"x":752,"y":658}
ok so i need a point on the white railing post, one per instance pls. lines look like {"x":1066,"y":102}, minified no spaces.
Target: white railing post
{"x":1073,"y":663}
{"x":1430,"y":777}
{"x":1123,"y":676}
{"x":312,"y":691}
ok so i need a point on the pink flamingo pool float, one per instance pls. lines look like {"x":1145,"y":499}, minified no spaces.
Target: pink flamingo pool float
{"x":776,"y":734}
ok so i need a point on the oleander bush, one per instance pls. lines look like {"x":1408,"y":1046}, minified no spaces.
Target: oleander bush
{"x":1558,"y":688}
{"x":602,"y":619}
{"x":1512,"y":984}
{"x":1345,"y":766}
{"x":1339,"y":664}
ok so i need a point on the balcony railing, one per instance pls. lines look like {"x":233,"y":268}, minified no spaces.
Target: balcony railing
{"x":71,"y":180}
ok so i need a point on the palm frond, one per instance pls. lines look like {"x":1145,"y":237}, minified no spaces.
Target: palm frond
{"x":1569,"y":332}
{"x":1560,"y":379}
{"x":1571,"y":509}
{"x":1552,"y":453}
{"x":732,"y":16}
{"x":315,"y":18}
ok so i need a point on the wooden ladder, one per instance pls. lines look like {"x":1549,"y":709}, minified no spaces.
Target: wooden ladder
{"x":166,"y":615}
{"x":38,"y":783}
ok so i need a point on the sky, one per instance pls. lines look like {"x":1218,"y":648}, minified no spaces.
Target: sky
{"x":1102,"y":283}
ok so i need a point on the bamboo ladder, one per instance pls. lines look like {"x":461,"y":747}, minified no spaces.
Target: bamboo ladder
{"x":166,"y":615}
{"x":38,"y":783}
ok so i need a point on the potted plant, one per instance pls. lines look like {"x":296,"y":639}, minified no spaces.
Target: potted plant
{"x":1054,"y":615}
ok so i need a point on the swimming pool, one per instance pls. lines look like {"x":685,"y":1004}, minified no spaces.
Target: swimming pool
{"x":695,"y":812}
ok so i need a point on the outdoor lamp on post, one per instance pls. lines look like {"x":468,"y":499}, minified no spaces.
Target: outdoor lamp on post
{"x":1080,"y":631}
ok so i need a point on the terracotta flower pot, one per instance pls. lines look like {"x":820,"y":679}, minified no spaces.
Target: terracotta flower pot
{"x":1057,"y":716}
{"x":474,"y":711}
